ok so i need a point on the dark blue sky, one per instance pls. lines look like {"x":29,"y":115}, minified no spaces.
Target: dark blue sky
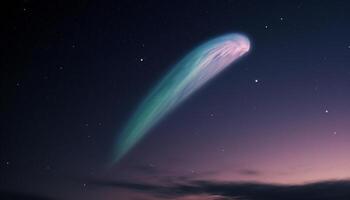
{"x":74,"y":71}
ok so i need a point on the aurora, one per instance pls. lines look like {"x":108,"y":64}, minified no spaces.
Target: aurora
{"x":186,"y":77}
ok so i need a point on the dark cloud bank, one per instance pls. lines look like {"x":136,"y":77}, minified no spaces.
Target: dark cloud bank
{"x":326,"y":190}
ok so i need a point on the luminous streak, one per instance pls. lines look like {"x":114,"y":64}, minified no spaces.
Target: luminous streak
{"x":191,"y":73}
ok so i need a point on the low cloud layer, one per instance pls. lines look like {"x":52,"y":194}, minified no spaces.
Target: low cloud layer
{"x":326,"y":190}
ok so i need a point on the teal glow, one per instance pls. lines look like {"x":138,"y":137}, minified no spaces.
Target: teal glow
{"x":187,"y":76}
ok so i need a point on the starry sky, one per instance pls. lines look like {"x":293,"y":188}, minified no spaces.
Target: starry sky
{"x":273,"y":126}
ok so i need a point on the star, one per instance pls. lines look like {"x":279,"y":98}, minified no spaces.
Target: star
{"x":326,"y":111}
{"x":141,"y":59}
{"x":281,"y":18}
{"x":266,"y":26}
{"x":47,"y":167}
{"x":196,"y":133}
{"x":256,"y":81}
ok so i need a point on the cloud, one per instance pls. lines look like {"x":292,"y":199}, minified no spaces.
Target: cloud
{"x":249,"y":172}
{"x":326,"y":190}
{"x":6,"y":195}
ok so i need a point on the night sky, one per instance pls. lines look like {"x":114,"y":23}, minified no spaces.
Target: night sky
{"x":274,"y":125}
